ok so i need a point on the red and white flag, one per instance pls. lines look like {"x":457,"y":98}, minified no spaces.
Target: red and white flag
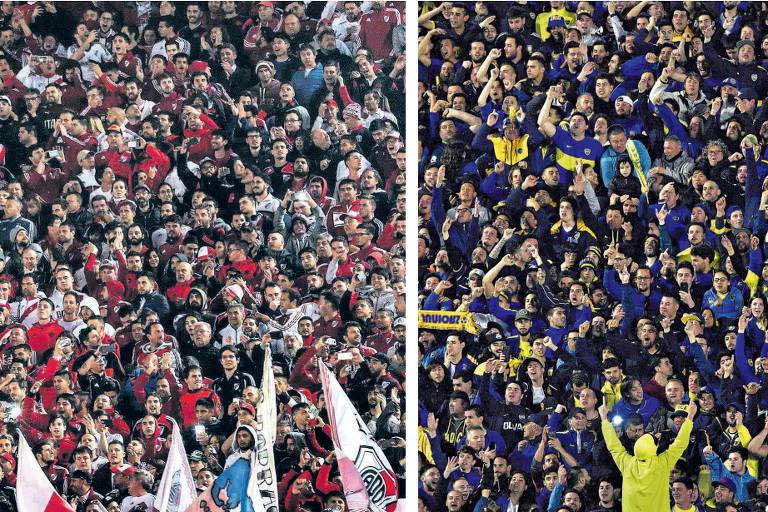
{"x":177,"y":488}
{"x":34,"y":492}
{"x":368,"y":480}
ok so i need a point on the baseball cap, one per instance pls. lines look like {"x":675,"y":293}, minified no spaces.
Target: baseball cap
{"x":248,"y":407}
{"x":393,"y":135}
{"x":729,"y":81}
{"x":522,"y":314}
{"x":494,"y":338}
{"x":575,"y":411}
{"x":476,"y":272}
{"x":725,"y":483}
{"x":400,"y":321}
{"x":691,"y":316}
{"x":539,"y":418}
{"x":624,"y":98}
{"x":736,"y":405}
{"x":197,"y":455}
{"x":584,"y":12}
{"x":380,"y":357}
{"x":114,"y":128}
{"x":747,"y":93}
{"x":5,"y":98}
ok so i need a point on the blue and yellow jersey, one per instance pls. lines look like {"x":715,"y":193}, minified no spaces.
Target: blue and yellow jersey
{"x":569,"y":150}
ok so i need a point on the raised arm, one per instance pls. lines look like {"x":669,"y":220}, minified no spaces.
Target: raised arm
{"x":545,"y":125}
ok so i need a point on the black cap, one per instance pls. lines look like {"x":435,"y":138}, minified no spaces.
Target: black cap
{"x":575,"y":411}
{"x":540,"y":418}
{"x":380,"y":357}
{"x":494,"y":337}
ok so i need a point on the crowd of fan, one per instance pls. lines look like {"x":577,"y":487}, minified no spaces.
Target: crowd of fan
{"x":592,"y":205}
{"x":182,"y":186}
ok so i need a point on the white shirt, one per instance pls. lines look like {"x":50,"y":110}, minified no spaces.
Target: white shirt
{"x":138,"y":503}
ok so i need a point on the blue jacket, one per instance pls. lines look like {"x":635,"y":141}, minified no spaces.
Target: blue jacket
{"x":578,"y":444}
{"x":718,"y":471}
{"x":730,"y":307}
{"x":306,"y":85}
{"x":645,"y":409}
{"x":609,"y":158}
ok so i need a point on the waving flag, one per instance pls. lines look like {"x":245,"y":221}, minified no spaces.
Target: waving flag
{"x":265,"y":479}
{"x":368,"y":480}
{"x":34,"y":492}
{"x":230,"y":492}
{"x":177,"y":488}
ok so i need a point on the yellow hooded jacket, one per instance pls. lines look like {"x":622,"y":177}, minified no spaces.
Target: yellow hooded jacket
{"x":645,"y":475}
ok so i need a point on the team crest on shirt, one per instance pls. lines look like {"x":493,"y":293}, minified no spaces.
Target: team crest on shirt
{"x":587,"y":151}
{"x":754,"y":77}
{"x":386,"y":19}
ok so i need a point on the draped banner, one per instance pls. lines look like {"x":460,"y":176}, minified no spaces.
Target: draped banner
{"x":266,"y":420}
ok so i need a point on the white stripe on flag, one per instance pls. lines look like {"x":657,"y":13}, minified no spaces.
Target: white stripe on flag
{"x":34,"y":492}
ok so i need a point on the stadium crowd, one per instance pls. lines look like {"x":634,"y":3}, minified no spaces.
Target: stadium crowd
{"x":182,"y":186}
{"x":593,"y":219}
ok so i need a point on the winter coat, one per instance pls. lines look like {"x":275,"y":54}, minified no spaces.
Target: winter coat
{"x":645,"y":484}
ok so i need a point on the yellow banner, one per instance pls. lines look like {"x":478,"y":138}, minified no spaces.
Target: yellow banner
{"x":447,"y":321}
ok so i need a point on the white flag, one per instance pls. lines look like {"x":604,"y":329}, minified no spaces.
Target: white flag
{"x":177,"y":488}
{"x":368,"y":480}
{"x":34,"y":492}
{"x":263,"y":475}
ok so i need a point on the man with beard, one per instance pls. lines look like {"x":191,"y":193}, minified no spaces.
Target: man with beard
{"x":174,"y":241}
{"x":253,"y":154}
{"x":429,"y":479}
{"x":147,"y":215}
{"x":45,"y":453}
{"x":132,"y":91}
{"x":136,"y":239}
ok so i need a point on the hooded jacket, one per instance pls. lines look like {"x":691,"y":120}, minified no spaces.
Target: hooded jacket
{"x":238,"y":453}
{"x":645,"y":475}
